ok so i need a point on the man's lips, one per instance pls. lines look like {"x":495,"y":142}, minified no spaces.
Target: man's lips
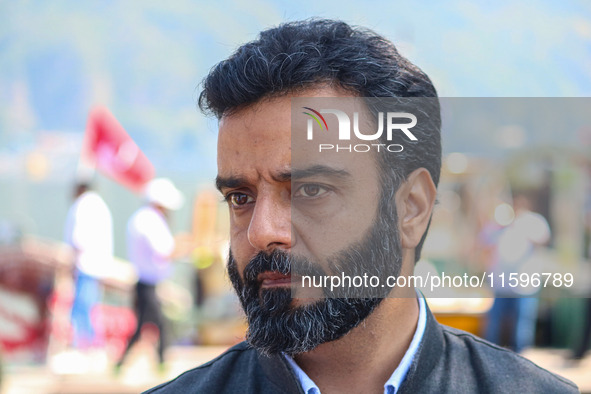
{"x":273,"y":278}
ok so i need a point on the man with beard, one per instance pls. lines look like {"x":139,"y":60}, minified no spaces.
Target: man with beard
{"x":296,"y":213}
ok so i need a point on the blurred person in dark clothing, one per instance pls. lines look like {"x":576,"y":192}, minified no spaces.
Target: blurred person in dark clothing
{"x":584,"y":342}
{"x":150,"y":245}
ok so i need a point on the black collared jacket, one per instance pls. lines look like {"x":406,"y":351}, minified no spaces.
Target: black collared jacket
{"x":447,"y":361}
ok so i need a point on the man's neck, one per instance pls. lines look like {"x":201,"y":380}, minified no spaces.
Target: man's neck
{"x":364,"y":359}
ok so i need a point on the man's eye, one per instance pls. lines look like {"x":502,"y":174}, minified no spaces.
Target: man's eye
{"x":239,"y":199}
{"x":310,"y":190}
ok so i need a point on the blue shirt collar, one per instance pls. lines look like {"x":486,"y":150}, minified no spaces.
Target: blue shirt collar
{"x":393,"y":384}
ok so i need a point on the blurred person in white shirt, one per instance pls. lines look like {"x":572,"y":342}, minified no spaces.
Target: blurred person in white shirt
{"x":150,"y":245}
{"x":89,"y":231}
{"x":517,"y":307}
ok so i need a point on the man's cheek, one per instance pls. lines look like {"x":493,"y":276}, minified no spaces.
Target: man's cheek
{"x":240,"y":265}
{"x":242,"y":253}
{"x":239,"y":243}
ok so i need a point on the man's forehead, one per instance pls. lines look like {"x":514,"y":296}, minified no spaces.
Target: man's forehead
{"x":255,"y":142}
{"x":235,"y":179}
{"x":259,"y":127}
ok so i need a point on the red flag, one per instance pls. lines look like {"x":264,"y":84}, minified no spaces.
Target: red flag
{"x":109,"y":148}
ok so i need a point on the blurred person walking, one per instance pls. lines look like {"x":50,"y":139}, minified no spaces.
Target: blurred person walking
{"x":517,"y":308}
{"x":582,"y":344}
{"x":150,"y":245}
{"x":89,"y":231}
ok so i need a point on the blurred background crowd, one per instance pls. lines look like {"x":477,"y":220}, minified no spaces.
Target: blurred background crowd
{"x":513,"y":78}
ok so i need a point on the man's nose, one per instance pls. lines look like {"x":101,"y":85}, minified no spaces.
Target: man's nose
{"x":270,"y":224}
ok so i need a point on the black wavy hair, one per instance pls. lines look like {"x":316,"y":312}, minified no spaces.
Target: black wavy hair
{"x":297,"y":55}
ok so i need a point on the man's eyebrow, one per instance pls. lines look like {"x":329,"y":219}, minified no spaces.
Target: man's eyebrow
{"x":284,"y":176}
{"x":319,"y":170}
{"x":228,"y":182}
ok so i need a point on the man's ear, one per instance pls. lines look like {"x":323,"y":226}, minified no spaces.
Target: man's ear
{"x":415,"y":200}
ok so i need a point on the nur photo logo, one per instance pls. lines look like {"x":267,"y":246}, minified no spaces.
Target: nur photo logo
{"x":394,"y":122}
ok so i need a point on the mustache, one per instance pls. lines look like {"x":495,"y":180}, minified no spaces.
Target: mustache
{"x":282,"y":262}
{"x":277,"y":261}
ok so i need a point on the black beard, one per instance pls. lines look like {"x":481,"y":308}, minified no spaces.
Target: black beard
{"x":275,"y":326}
